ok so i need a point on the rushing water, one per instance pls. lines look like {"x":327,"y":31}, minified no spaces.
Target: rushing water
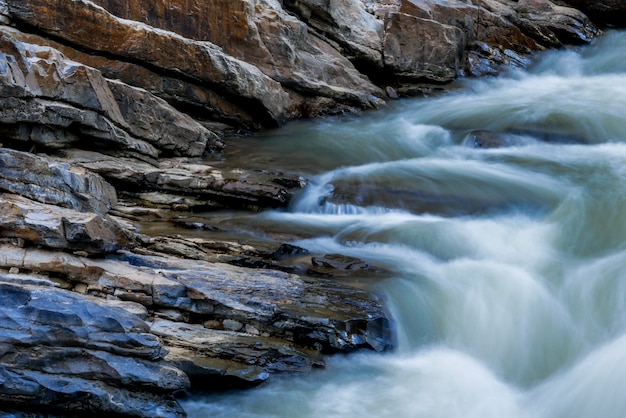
{"x":509,"y":285}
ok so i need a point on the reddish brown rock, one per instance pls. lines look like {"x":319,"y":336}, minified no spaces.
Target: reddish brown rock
{"x":257,"y":63}
{"x":417,"y":48}
{"x":198,"y":99}
{"x":267,"y":36}
{"x":92,"y":27}
{"x":51,"y":101}
{"x":440,"y":41}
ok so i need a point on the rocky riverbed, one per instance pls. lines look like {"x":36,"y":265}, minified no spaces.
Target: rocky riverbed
{"x":116,"y":114}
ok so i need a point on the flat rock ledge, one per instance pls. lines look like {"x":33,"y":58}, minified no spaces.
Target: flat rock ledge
{"x":97,"y":318}
{"x":138,"y":327}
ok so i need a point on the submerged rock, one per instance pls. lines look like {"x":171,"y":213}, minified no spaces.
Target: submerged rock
{"x":491,"y":139}
{"x":520,"y":137}
{"x":339,"y":265}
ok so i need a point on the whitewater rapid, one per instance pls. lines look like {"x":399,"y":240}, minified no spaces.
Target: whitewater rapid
{"x":508,"y":289}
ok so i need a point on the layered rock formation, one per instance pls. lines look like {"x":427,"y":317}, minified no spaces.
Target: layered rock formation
{"x":100,"y":318}
{"x":115,"y":112}
{"x":259,"y":63}
{"x":64,"y":352}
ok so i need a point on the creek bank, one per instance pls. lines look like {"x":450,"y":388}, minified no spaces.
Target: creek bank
{"x":119,"y":115}
{"x":220,"y":325}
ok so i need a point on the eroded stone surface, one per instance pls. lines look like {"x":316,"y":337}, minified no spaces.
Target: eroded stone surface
{"x":319,"y":313}
{"x":52,"y":182}
{"x":189,"y":183}
{"x":244,"y":359}
{"x":93,"y":27}
{"x":56,"y":344}
{"x":263,"y":62}
{"x":56,"y":227}
{"x":51,"y":101}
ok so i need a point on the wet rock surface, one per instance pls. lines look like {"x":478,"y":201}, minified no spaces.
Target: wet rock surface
{"x":339,"y":265}
{"x":224,"y":326}
{"x":67,"y":352}
{"x":68,"y":236}
{"x":192,"y":317}
{"x":519,"y":137}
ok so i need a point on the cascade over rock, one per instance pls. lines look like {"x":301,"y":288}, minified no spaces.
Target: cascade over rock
{"x":114,"y":112}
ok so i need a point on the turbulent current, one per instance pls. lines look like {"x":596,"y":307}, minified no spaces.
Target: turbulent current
{"x":507,"y":263}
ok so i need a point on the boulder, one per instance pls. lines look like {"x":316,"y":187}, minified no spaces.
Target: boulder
{"x":53,"y":102}
{"x":61,"y":351}
{"x":52,"y":182}
{"x":59,"y":228}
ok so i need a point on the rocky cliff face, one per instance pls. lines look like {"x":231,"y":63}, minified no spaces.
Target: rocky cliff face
{"x":259,"y":63}
{"x":114,"y":112}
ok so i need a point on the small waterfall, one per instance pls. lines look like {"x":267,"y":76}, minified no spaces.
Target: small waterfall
{"x":508,"y":265}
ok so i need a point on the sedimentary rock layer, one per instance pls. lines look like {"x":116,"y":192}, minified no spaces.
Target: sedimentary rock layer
{"x":261,"y":63}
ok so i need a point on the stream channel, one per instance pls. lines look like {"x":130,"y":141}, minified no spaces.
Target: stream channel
{"x":499,"y":212}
